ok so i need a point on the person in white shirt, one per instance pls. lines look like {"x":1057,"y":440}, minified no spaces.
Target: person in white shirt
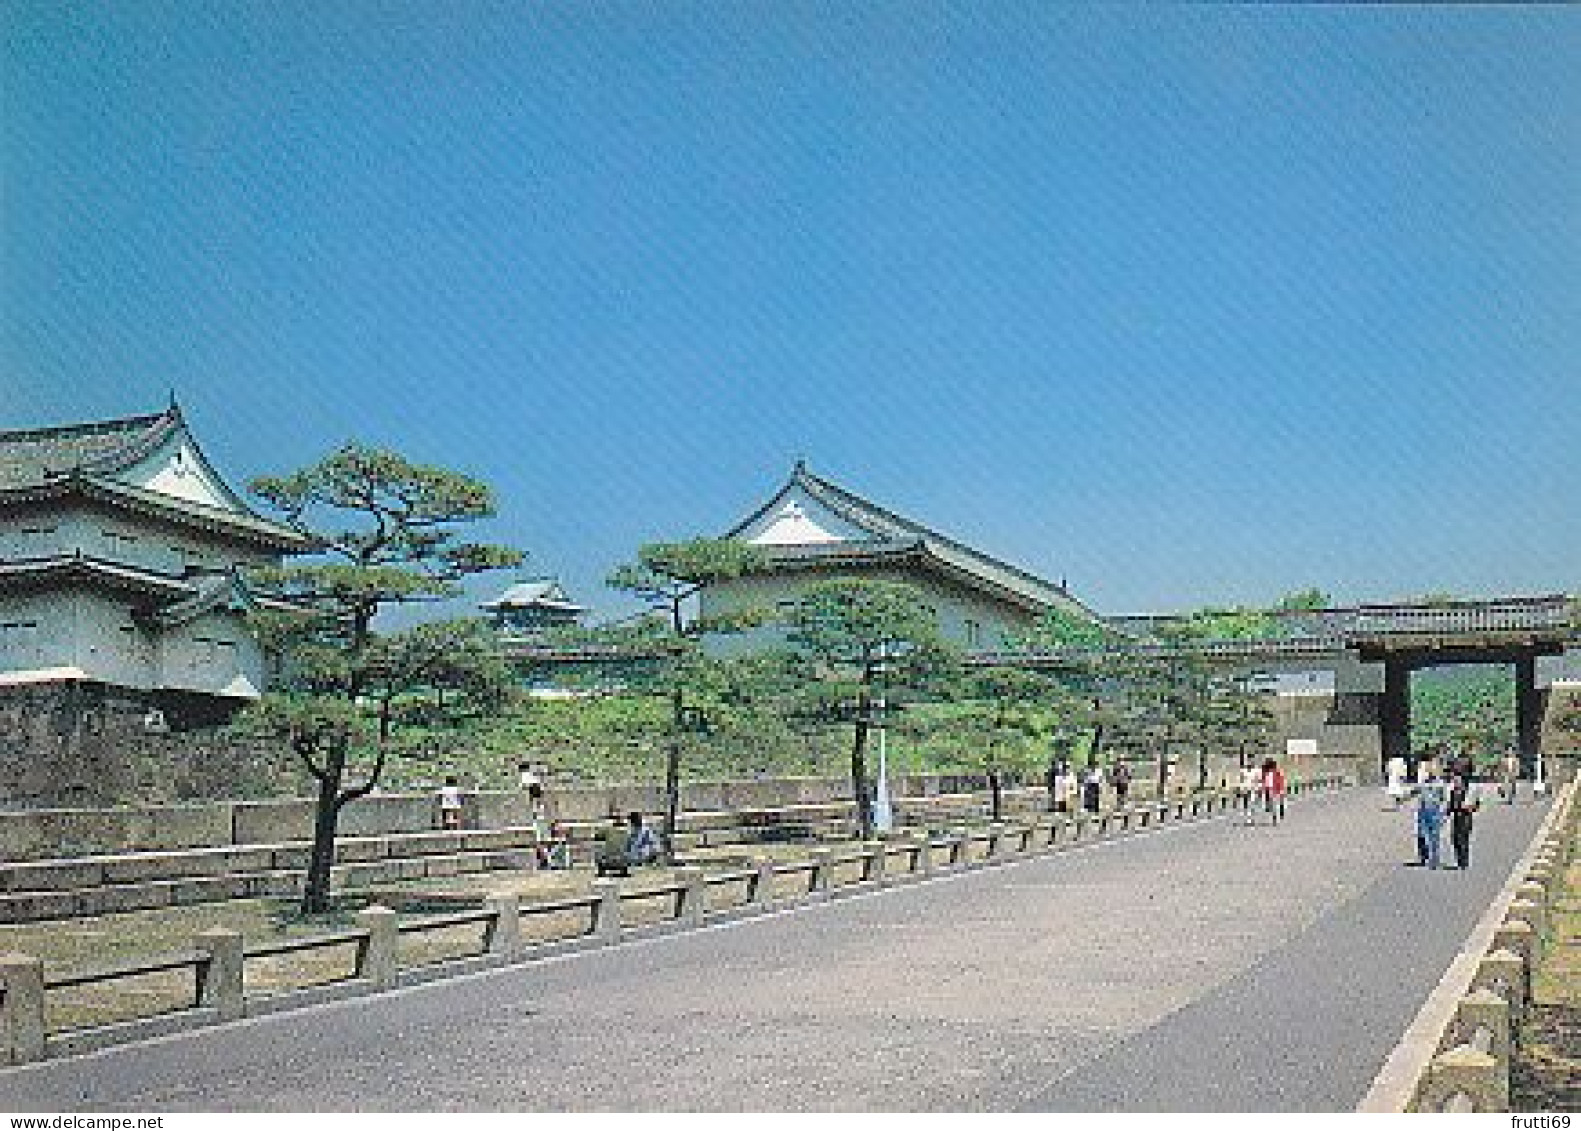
{"x":1396,"y":788}
{"x":450,"y":804}
{"x":1057,"y":784}
{"x":1246,"y":792}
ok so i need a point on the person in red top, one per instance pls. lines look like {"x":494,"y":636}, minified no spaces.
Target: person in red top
{"x":1274,"y":790}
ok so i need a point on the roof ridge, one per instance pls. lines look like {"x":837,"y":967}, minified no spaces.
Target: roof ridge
{"x":922,"y":531}
{"x":91,"y":427}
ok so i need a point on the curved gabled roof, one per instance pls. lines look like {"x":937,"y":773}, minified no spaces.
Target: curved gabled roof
{"x":33,"y":456}
{"x":89,"y":459}
{"x":889,"y":534}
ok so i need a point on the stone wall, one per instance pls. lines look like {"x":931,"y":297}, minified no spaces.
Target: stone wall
{"x":84,"y":744}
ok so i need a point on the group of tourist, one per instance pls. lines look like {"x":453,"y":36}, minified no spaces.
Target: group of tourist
{"x":1070,"y":790}
{"x":1445,"y":788}
{"x":1262,"y":787}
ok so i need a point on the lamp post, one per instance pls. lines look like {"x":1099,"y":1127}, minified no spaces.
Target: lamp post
{"x":883,"y":807}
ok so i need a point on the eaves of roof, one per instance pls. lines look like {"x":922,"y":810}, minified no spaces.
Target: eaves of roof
{"x":919,"y":552}
{"x":66,"y":567}
{"x":242,"y":527}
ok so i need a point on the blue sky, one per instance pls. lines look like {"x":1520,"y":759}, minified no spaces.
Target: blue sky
{"x":1187,"y":305}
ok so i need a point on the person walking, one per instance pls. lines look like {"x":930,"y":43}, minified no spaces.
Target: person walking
{"x":1059,"y":782}
{"x":1462,"y":805}
{"x":1511,"y":774}
{"x":1431,"y":799}
{"x":1395,"y":775}
{"x":1121,"y":779}
{"x":1274,"y":790}
{"x":1246,"y":792}
{"x":1092,"y":788}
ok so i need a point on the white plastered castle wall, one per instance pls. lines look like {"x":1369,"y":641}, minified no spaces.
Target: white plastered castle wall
{"x":967,"y":617}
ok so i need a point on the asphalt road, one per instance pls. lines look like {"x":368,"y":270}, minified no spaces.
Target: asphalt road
{"x":1208,"y":966}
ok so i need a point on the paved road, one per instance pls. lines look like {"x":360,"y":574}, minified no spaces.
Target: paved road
{"x":1202,"y":967}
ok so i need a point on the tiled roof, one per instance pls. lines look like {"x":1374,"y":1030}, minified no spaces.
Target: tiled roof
{"x":33,"y":456}
{"x":544,"y":593}
{"x":83,"y":459}
{"x":892,"y":533}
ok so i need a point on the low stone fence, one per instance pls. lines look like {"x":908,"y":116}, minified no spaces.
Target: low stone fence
{"x":218,"y":959}
{"x":1455,"y":1057}
{"x":46,"y":834}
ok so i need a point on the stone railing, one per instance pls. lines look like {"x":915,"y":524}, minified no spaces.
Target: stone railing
{"x":1455,"y":1057}
{"x":218,"y":959}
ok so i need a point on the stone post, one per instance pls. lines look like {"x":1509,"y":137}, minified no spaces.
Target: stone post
{"x":220,"y":977}
{"x":606,"y":913}
{"x":21,"y":1009}
{"x":1464,"y":1079}
{"x":763,"y":881}
{"x":1484,"y":1019}
{"x":505,"y":931}
{"x":694,"y":894}
{"x":874,"y":850}
{"x":1525,"y":911}
{"x":1543,"y":876}
{"x":377,"y":960}
{"x":821,"y":867}
{"x":1504,"y":973}
{"x":924,"y":865}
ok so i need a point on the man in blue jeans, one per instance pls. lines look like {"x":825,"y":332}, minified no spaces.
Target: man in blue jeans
{"x":1431,"y":797}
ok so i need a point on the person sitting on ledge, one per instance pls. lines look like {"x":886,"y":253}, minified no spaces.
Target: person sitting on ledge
{"x":642,"y":847}
{"x":610,"y":857}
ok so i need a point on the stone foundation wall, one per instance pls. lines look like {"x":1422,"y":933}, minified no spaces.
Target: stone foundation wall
{"x":70,"y":745}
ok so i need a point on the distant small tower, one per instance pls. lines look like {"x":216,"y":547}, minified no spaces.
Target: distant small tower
{"x":529,"y":608}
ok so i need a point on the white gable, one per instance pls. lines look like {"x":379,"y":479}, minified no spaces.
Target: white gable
{"x":797,"y":519}
{"x":176,"y":469}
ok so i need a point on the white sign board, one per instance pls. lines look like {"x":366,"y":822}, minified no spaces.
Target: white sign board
{"x":1299,"y":748}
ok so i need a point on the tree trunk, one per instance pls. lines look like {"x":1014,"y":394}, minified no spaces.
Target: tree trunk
{"x":996,"y":793}
{"x":864,"y":799}
{"x":315,"y":892}
{"x":672,"y":774}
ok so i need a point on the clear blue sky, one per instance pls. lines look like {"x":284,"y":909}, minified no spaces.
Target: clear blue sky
{"x":1186,"y":305}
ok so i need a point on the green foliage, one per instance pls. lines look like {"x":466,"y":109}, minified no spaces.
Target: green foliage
{"x":1061,"y":628}
{"x":1011,"y":715}
{"x":861,"y":639}
{"x":1245,"y":622}
{"x":385,"y":533}
{"x":667,"y":576}
{"x":1303,"y":600}
{"x":1469,"y":709}
{"x":1232,"y":623}
{"x":867,"y":625}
